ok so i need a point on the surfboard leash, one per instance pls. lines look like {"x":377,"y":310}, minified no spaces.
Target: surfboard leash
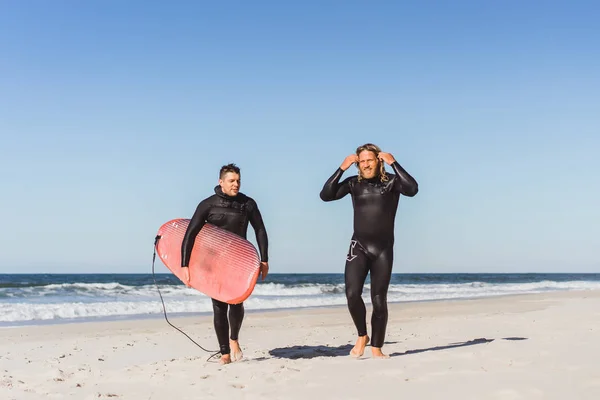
{"x":215,"y":352}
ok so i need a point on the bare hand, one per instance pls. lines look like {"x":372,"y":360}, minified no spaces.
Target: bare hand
{"x":264,"y":269}
{"x":387,"y":158}
{"x":186,"y":276}
{"x":348,"y":161}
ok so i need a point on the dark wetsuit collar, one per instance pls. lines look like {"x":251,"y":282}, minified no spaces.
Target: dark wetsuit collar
{"x":375,"y":179}
{"x":219,"y":192}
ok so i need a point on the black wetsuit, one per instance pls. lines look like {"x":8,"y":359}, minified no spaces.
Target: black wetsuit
{"x":233,"y":214}
{"x":371,"y":248}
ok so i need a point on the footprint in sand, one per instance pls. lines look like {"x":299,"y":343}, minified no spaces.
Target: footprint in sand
{"x":61,"y":376}
{"x":7,"y":383}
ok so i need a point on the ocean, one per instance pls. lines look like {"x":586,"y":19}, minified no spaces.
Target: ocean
{"x":59,"y":298}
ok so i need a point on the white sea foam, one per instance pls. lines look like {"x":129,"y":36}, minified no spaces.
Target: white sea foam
{"x":67,"y":302}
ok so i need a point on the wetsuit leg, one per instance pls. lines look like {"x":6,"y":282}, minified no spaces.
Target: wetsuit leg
{"x":381,"y":274}
{"x":236,"y":316}
{"x":221,"y":325}
{"x":355,"y":273}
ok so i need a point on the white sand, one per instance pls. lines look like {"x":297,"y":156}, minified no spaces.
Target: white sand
{"x":519,"y":347}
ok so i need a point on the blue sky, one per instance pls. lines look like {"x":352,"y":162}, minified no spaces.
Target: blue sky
{"x":116,"y":116}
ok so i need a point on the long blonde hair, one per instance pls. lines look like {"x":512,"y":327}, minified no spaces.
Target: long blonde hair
{"x":375,"y":149}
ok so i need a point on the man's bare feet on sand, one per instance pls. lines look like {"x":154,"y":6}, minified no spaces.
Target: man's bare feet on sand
{"x":359,"y":348}
{"x":236,"y":351}
{"x":225,"y":359}
{"x":376,"y":351}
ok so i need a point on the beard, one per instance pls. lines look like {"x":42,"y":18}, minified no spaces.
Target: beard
{"x":372,"y":172}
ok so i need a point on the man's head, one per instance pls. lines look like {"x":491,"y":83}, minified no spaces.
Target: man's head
{"x":229,"y":179}
{"x":369,"y":165}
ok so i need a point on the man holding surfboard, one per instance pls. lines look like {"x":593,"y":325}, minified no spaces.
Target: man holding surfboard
{"x":375,"y":195}
{"x":231,"y":210}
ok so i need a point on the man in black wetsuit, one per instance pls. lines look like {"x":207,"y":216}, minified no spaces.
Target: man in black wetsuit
{"x":230,"y":210}
{"x":375,"y":196}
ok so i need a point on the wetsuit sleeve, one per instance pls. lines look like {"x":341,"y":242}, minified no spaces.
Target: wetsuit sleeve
{"x":196,"y":223}
{"x":260,"y":231}
{"x":405,"y":184}
{"x":333,"y":189}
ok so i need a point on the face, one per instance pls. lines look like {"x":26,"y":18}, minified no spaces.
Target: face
{"x":368,"y":164}
{"x":230,"y":183}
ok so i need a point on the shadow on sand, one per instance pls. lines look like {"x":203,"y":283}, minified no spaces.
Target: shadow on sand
{"x":452,"y":346}
{"x":296,"y":352}
{"x":449,"y":346}
{"x":307,"y":352}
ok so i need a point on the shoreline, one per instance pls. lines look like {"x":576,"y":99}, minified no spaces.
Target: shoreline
{"x":324,"y":309}
{"x":160,"y":316}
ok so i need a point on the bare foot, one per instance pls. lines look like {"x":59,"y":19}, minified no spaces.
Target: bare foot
{"x":377,"y":353}
{"x":359,"y":348}
{"x":236,"y":351}
{"x":225,"y":359}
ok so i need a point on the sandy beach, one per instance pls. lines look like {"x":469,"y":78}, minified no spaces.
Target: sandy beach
{"x":540,"y":346}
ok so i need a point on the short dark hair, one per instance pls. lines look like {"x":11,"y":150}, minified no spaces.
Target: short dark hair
{"x":231,"y":167}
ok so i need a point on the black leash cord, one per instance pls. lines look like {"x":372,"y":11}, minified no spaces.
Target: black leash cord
{"x":156,"y":239}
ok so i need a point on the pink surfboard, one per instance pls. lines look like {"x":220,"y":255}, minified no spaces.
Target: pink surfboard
{"x":222,"y":265}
